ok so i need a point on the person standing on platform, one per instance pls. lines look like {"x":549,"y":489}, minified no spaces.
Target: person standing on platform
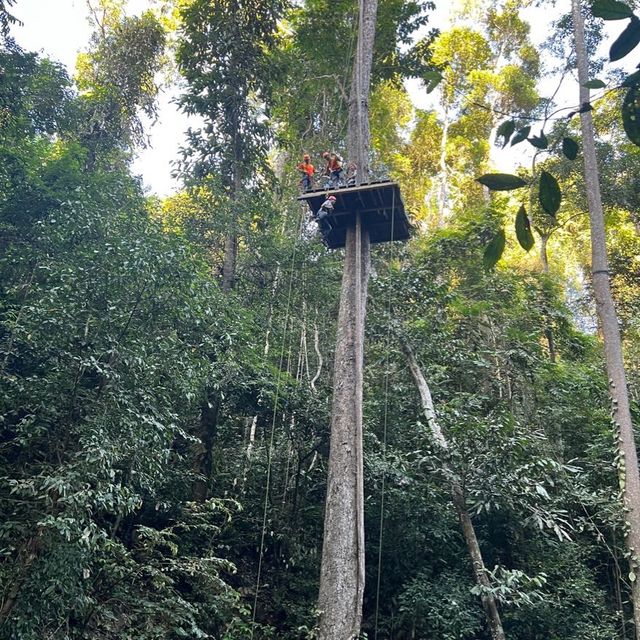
{"x":333,"y":170}
{"x":307,"y":170}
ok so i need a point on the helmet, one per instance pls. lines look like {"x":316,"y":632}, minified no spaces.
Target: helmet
{"x":332,"y":198}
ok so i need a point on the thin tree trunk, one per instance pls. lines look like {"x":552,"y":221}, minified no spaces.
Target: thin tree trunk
{"x":316,"y":347}
{"x":443,"y":192}
{"x":229,"y":264}
{"x":544,"y":256}
{"x":607,"y":315}
{"x":231,"y":239}
{"x":489,"y":603}
{"x":203,"y":464}
{"x":342,"y":567}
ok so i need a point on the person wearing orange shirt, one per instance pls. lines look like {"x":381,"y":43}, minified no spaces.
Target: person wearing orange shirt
{"x":307,"y":170}
{"x":333,"y":170}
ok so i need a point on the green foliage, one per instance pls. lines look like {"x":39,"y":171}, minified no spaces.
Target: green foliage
{"x":6,"y":18}
{"x":103,"y":366}
{"x":35,"y":94}
{"x":144,"y":413}
{"x":631,"y":115}
{"x":549,"y":193}
{"x":315,"y":59}
{"x":539,"y":142}
{"x":223,"y":54}
{"x":505,"y":131}
{"x":117,"y":81}
{"x":521,"y":135}
{"x":501,"y":181}
{"x":595,"y":84}
{"x":494,"y":250}
{"x":627,"y":41}
{"x":570,"y":148}
{"x":440,"y":606}
{"x":523,"y":229}
{"x":611,"y":9}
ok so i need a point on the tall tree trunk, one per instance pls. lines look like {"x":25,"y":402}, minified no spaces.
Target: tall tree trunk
{"x":628,"y":469}
{"x":358,"y":137}
{"x":342,"y":568}
{"x":203,"y":463}
{"x":231,"y":239}
{"x":229,"y":264}
{"x":443,"y":191}
{"x":489,"y":603}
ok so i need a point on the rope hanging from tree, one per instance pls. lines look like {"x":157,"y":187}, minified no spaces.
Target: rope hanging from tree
{"x":273,"y":423}
{"x":384,"y":439}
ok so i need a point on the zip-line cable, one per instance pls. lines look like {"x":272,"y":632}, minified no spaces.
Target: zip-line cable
{"x":273,"y":423}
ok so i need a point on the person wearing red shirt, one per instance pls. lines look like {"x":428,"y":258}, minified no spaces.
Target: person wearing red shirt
{"x":333,"y":170}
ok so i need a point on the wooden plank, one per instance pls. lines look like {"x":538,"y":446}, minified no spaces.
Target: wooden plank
{"x":346,"y":190}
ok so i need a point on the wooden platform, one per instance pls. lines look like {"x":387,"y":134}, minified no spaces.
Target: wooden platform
{"x":379,"y":204}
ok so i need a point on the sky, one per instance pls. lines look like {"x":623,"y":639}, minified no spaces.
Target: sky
{"x":60,"y":29}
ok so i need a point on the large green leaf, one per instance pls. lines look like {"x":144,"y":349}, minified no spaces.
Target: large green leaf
{"x":523,"y":229}
{"x":539,"y":142}
{"x":493,"y":251}
{"x":550,"y":195}
{"x":627,"y":40}
{"x":596,"y":83}
{"x":501,"y":181}
{"x":505,"y":130}
{"x":432,"y":79}
{"x":611,"y":10}
{"x":631,"y":114}
{"x":570,"y":148}
{"x":521,"y":135}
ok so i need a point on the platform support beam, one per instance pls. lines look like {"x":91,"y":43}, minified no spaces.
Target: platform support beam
{"x":342,"y":569}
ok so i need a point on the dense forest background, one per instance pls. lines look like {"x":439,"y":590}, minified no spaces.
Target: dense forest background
{"x":166,"y":364}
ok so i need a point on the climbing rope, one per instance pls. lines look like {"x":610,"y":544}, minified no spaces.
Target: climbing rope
{"x":273,"y":424}
{"x":384,"y":429}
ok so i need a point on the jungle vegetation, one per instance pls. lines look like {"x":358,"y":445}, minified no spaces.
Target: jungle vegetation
{"x":166,"y":363}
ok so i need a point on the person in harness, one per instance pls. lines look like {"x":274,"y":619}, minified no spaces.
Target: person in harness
{"x":325,"y":209}
{"x":333,"y":171}
{"x":307,"y":170}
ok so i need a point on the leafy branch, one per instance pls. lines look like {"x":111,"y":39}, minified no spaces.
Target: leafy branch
{"x":550,"y":194}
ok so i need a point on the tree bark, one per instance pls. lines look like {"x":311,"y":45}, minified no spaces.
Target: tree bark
{"x":203,"y":463}
{"x":608,"y":318}
{"x":443,"y":189}
{"x":489,"y":603}
{"x":231,"y":239}
{"x":342,"y":567}
{"x":358,"y":136}
{"x":229,"y":264}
